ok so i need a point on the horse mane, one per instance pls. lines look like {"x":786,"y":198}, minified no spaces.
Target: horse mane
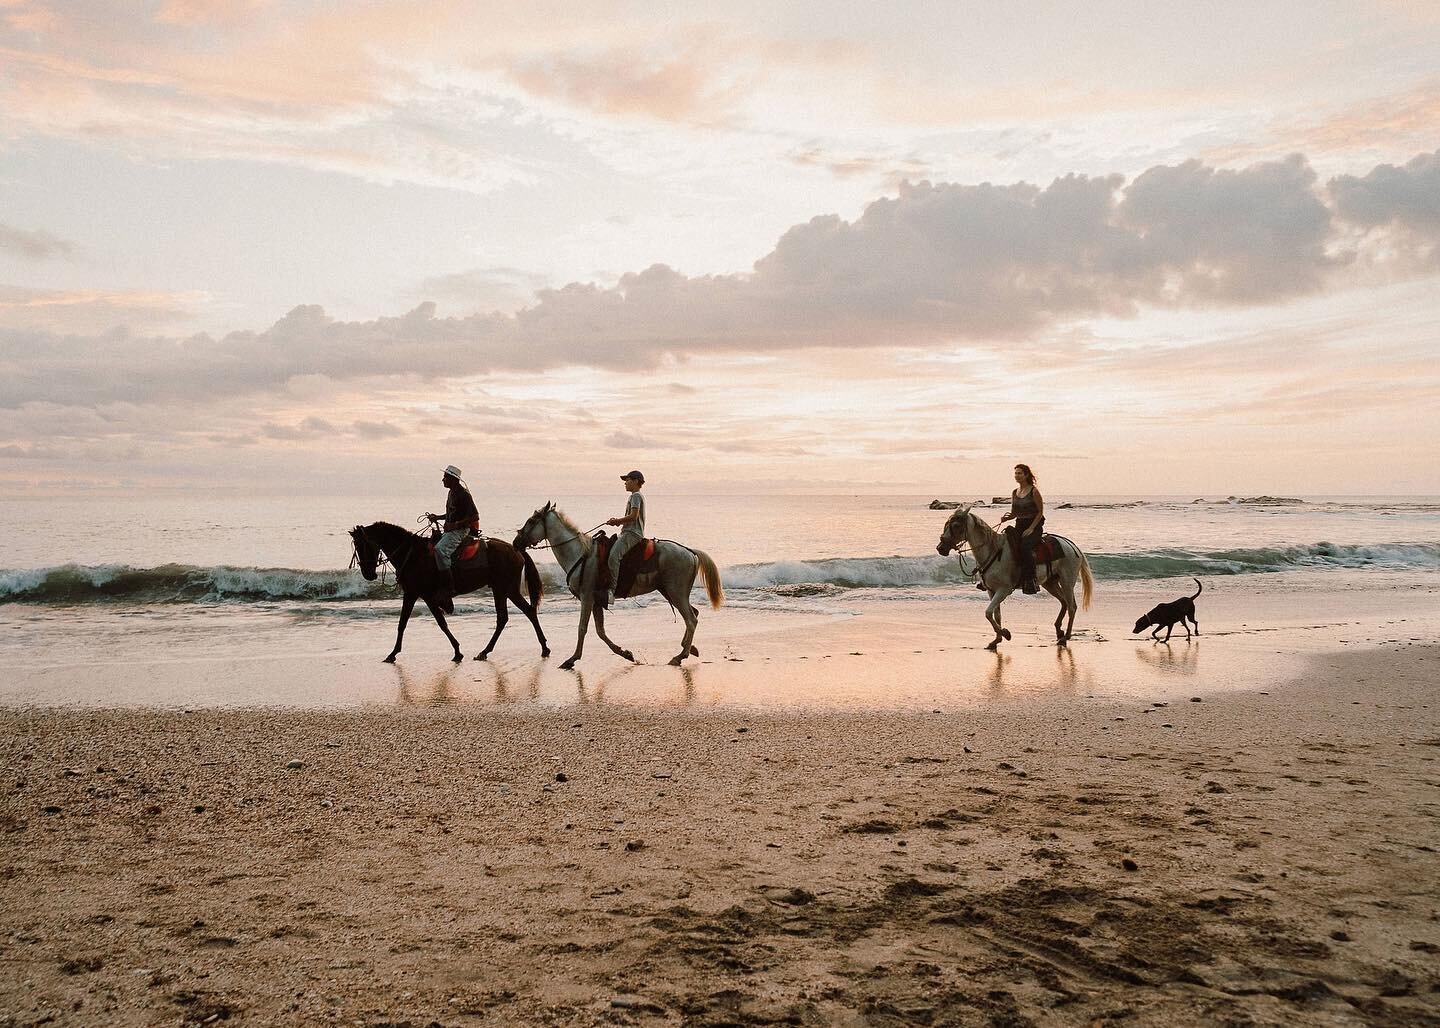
{"x":564,"y":519}
{"x":983,"y":526}
{"x":388,"y":533}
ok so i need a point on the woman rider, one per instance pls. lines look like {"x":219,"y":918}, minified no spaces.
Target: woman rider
{"x":1027,"y":507}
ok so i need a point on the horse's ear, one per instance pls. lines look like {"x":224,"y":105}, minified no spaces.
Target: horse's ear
{"x":965,"y":508}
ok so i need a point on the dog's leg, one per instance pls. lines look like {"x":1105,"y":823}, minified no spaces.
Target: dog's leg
{"x":1168,"y":629}
{"x":1197,"y":623}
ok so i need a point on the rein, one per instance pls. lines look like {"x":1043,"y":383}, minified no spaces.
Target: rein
{"x":980,"y":568}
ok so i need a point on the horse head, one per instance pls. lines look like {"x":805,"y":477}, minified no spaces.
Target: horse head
{"x":953,"y":534}
{"x":534,"y":529}
{"x":367,"y":553}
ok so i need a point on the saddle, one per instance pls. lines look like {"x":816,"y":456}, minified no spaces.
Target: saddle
{"x":471,"y":554}
{"x":1046,"y":550}
{"x":638,"y":561}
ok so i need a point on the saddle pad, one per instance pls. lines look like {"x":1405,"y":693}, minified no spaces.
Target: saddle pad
{"x":1047,"y":549}
{"x":469,"y":550}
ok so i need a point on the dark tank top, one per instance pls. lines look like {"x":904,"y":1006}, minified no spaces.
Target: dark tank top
{"x":1023,"y":507}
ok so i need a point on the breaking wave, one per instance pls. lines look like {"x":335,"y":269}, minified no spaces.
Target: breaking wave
{"x":183,"y":583}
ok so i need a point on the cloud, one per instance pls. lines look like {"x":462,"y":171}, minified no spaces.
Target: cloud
{"x":1404,"y":201}
{"x":623,"y":440}
{"x":995,"y":265}
{"x":483,"y":289}
{"x":90,"y":310}
{"x":376,"y":430}
{"x":33,"y":245}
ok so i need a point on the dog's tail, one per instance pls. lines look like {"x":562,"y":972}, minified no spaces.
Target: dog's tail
{"x":1198,"y":587}
{"x":1086,"y":582}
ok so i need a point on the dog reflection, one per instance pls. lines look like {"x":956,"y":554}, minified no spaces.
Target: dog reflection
{"x":1181,"y":659}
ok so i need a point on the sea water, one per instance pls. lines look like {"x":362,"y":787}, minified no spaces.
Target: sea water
{"x":181,"y":600}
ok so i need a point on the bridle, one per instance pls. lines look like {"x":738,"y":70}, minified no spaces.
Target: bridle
{"x":382,"y":559}
{"x":980,"y":568}
{"x":549,"y":544}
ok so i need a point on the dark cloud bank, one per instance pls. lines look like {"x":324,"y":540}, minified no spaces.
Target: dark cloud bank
{"x":937,"y":262}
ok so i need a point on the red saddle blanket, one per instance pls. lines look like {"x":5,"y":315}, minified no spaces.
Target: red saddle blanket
{"x":467,"y":552}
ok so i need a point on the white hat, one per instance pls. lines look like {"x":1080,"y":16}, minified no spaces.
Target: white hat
{"x":451,"y":469}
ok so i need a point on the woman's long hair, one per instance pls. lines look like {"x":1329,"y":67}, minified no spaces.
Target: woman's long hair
{"x":1029,"y":475}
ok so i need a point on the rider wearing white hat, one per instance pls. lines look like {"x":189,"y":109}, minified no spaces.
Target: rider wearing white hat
{"x":461,"y":520}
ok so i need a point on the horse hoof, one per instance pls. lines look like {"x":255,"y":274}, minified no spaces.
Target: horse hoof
{"x":390,"y":659}
{"x":567,"y":665}
{"x":480,"y":656}
{"x":1005,"y":634}
{"x":694,"y":651}
{"x":457,"y":658}
{"x":545,"y":651}
{"x":628,"y":656}
{"x":993,"y":647}
{"x":675,"y":661}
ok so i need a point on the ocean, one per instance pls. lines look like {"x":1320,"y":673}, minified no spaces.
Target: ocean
{"x":181,"y":600}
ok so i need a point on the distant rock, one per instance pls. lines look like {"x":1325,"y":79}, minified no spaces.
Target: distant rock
{"x":945,"y":504}
{"x":1065,"y":506}
{"x":1270,"y":501}
{"x":1000,"y":499}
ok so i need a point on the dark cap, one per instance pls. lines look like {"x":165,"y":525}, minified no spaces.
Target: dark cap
{"x":635,"y":475}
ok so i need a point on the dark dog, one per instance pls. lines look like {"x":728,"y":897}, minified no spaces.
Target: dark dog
{"x":1168,"y":615}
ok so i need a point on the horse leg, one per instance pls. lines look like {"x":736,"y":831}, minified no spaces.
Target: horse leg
{"x":440,"y":620}
{"x":619,"y":651}
{"x":1053,"y":587}
{"x":406,"y":606}
{"x":518,"y":598}
{"x":502,"y":615}
{"x":695,"y":650}
{"x":587,"y":602}
{"x":992,"y":614}
{"x":692,"y":619}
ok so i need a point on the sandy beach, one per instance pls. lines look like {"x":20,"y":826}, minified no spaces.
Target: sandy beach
{"x":1253,"y":857}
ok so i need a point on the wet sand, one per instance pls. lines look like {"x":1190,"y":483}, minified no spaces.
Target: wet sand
{"x":1256,"y":857}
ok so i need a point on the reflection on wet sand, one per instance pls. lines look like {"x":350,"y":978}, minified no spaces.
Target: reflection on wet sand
{"x":435,"y":687}
{"x":1176,"y":659}
{"x":995,"y":679}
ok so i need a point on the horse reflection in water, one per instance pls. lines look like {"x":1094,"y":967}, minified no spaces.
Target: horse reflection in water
{"x":1175,"y":659}
{"x":1068,"y":677}
{"x":426,"y":690}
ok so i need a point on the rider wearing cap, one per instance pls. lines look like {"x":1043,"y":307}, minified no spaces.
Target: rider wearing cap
{"x":462,"y":519}
{"x":631,"y":523}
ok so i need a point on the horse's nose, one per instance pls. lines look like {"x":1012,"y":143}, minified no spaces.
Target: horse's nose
{"x":941,"y":549}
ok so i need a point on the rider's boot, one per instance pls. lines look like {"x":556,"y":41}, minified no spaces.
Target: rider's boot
{"x":1031,"y":586}
{"x":447,"y":591}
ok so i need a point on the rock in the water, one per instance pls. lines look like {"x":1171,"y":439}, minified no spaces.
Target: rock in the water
{"x":945,"y":505}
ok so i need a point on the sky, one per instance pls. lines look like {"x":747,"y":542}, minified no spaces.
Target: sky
{"x":1158,"y":248}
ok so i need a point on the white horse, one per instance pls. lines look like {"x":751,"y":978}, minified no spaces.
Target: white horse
{"x":1000,"y":573}
{"x":674,"y":577}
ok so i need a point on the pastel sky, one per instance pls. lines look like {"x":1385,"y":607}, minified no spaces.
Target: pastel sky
{"x":845,"y":247}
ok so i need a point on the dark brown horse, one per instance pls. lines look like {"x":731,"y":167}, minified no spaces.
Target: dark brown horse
{"x":414,"y":562}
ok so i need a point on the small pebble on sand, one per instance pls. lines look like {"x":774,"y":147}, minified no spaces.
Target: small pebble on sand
{"x":295,"y":765}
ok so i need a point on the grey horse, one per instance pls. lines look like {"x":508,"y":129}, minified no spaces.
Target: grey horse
{"x":674,"y":578}
{"x":1000,"y":573}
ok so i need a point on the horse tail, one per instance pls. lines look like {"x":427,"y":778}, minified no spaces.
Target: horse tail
{"x":532,"y":580}
{"x":1087,"y":583}
{"x":711,"y":575}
